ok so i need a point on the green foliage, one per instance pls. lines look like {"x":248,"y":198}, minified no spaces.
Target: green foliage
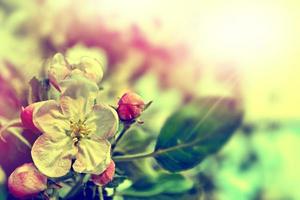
{"x":117,"y":180}
{"x":196,"y":131}
{"x":166,"y":186}
{"x":135,"y":141}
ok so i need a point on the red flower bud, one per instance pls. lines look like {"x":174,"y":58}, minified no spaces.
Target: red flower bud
{"x":130,"y":107}
{"x":26,"y":181}
{"x":26,"y":118}
{"x":106,"y":176}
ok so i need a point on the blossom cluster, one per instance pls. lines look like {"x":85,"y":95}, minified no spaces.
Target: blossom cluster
{"x":75,"y":130}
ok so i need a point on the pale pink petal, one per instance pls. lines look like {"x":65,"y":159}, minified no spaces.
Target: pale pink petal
{"x":49,"y":119}
{"x":58,"y":70}
{"x":92,"y":68}
{"x":102,"y":121}
{"x":92,"y":157}
{"x":78,"y":96}
{"x":53,"y":158}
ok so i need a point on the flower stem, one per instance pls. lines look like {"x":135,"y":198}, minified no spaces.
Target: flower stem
{"x":15,"y":132}
{"x":19,"y":135}
{"x":156,"y":152}
{"x":82,"y":179}
{"x":133,"y":157}
{"x":100,"y":191}
{"x":124,"y":130}
{"x":12,"y":123}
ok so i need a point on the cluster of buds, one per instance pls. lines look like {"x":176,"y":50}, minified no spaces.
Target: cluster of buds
{"x":26,"y":181}
{"x":130,"y":107}
{"x":30,"y":179}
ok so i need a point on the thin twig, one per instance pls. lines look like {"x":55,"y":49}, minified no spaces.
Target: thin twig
{"x":155,"y":153}
{"x":124,"y":130}
{"x":82,"y":179}
{"x":19,"y":135}
{"x":12,"y":123}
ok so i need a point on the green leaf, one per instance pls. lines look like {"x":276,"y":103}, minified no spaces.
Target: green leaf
{"x":38,"y":90}
{"x":166,"y":184}
{"x":147,"y":105}
{"x":196,"y":131}
{"x":117,"y":180}
{"x":134,"y":141}
{"x":166,"y":197}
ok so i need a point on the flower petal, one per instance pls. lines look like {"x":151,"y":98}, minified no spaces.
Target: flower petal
{"x":74,"y":109}
{"x":89,"y":60}
{"x":77,"y":86}
{"x":78,"y":95}
{"x":93,"y":156}
{"x":49,"y":119}
{"x":53,"y":159}
{"x":58,"y":70}
{"x":92,"y":68}
{"x":103,"y":121}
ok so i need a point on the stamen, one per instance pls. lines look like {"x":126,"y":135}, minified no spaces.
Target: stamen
{"x":79,"y":129}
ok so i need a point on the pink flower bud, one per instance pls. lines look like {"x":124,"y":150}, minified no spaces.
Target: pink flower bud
{"x":26,"y":181}
{"x":106,"y":176}
{"x":26,"y":118}
{"x":130,"y":107}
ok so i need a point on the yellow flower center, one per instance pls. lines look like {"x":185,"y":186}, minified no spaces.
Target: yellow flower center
{"x":79,"y":129}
